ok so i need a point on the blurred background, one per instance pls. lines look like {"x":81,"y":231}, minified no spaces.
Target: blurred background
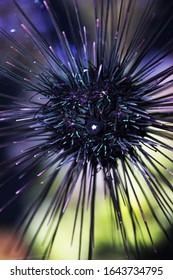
{"x":62,"y":248}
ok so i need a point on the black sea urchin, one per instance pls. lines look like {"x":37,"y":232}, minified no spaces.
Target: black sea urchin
{"x":97,"y":103}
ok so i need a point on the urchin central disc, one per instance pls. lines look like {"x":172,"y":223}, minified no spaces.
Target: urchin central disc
{"x":94,"y":127}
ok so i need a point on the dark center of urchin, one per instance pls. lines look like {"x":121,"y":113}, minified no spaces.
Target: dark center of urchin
{"x":95,"y":120}
{"x":94,"y":127}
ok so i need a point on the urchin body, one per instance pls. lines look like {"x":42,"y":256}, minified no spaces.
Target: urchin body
{"x":95,"y":111}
